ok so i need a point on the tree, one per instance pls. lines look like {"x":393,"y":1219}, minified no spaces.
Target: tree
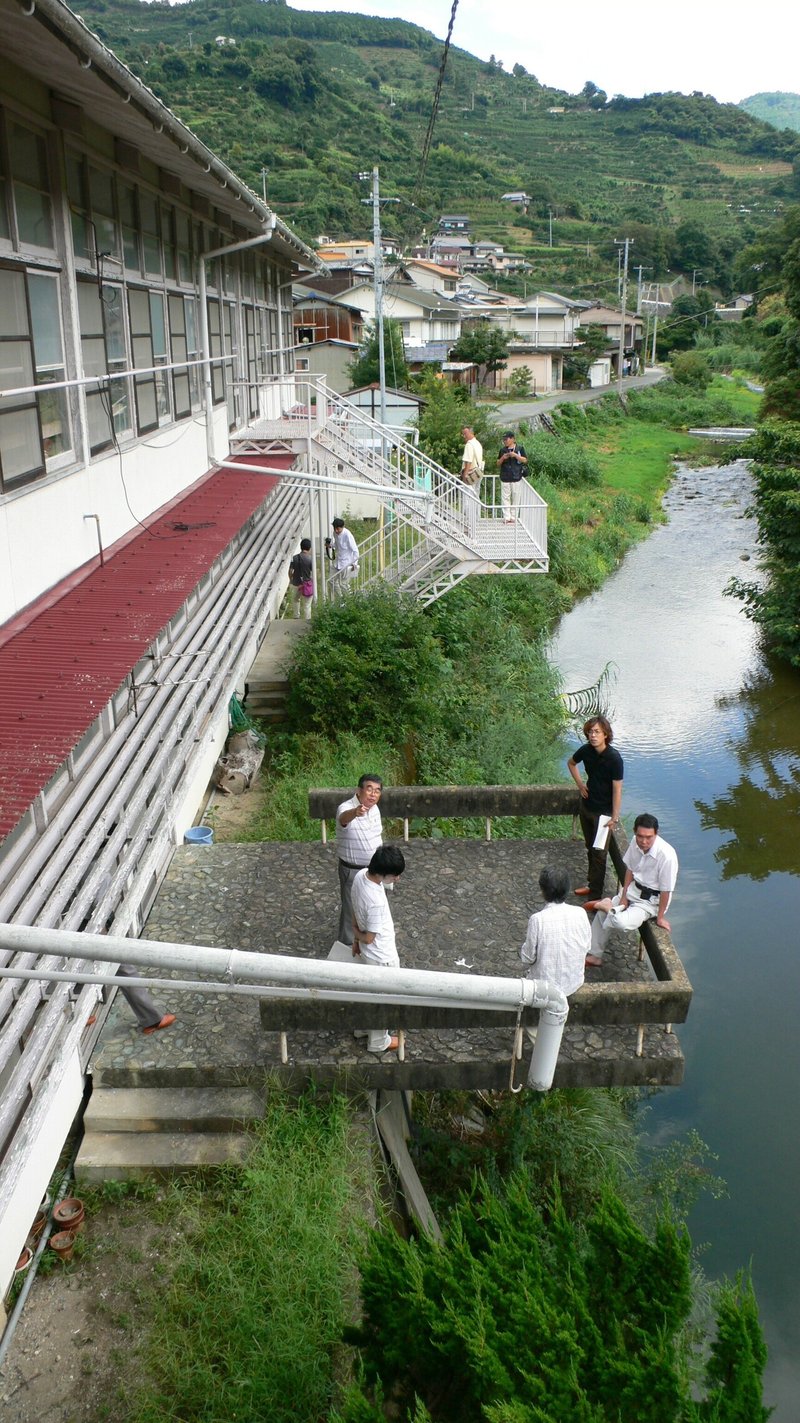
{"x":365,"y":369}
{"x":775,"y":605}
{"x":691,"y":368}
{"x":689,"y":315}
{"x":594,"y":342}
{"x":483,"y":343}
{"x":521,"y":1315}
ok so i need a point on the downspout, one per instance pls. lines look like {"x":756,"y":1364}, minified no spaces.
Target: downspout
{"x":205,"y":341}
{"x":371,"y":982}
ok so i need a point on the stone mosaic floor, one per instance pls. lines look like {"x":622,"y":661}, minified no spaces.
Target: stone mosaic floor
{"x":458,"y":900}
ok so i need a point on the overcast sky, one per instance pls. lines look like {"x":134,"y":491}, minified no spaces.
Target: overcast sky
{"x":729,"y":50}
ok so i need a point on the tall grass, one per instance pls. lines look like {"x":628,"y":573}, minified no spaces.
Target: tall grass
{"x":262,"y":1280}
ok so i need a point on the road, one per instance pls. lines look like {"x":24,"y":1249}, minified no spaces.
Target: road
{"x":523,"y":409}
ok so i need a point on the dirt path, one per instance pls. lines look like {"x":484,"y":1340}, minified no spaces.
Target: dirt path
{"x":77,"y":1350}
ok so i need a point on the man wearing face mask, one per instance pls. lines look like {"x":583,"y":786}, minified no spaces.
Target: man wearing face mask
{"x":373,"y":927}
{"x":651,"y":872}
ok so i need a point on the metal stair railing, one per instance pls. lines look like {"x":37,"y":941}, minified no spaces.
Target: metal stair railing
{"x":471,"y":519}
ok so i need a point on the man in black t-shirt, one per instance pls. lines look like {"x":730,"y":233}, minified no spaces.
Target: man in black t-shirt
{"x":513,"y":463}
{"x":601,"y":794}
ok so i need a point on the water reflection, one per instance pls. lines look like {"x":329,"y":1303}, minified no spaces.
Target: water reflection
{"x":710,"y":734}
{"x":759,"y":810}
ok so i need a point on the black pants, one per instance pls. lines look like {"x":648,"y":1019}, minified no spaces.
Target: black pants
{"x":596,"y":858}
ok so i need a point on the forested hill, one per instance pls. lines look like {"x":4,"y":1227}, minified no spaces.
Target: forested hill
{"x":314,"y":98}
{"x":780,"y":110}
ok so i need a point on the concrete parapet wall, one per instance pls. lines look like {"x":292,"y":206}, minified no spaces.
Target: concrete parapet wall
{"x":454,"y":802}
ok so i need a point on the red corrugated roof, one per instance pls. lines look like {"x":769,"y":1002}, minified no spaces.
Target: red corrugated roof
{"x":69,"y":653}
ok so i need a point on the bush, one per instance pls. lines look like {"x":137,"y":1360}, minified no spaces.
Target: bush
{"x":369,"y":664}
{"x":691,"y":368}
{"x":561,"y":460}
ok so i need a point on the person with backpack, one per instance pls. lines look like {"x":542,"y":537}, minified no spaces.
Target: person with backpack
{"x":301,"y":580}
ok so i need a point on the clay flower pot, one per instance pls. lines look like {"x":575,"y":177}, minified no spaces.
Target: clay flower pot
{"x":38,"y":1225}
{"x":24,"y":1260}
{"x":63,"y":1242}
{"x":69,"y":1214}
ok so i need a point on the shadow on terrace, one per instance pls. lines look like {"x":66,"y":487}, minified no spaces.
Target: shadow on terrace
{"x":461,"y":907}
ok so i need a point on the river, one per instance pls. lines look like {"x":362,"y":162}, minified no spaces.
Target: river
{"x":710,"y":732}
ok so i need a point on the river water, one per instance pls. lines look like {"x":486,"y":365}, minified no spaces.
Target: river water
{"x":710,"y":733}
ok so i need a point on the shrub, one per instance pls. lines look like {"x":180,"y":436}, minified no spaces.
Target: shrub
{"x":369,"y":664}
{"x":562,"y":460}
{"x":691,"y":368}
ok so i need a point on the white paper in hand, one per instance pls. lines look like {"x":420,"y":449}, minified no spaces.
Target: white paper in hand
{"x":601,"y":838}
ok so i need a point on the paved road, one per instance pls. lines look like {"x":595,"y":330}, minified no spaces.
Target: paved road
{"x":523,"y":409}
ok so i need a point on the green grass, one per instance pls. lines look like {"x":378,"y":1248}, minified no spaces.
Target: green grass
{"x":636,"y":458}
{"x":261,"y":1280}
{"x":746,"y":403}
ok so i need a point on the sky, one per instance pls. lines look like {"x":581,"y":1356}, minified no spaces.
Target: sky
{"x":730,"y":50}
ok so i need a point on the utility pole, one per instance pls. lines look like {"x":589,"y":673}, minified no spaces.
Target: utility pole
{"x":619,"y":272}
{"x":640,"y":267}
{"x":377,"y":270}
{"x":655,"y":324}
{"x":624,"y":243}
{"x":695,"y":273}
{"x":264,"y":176}
{"x":550,"y":213}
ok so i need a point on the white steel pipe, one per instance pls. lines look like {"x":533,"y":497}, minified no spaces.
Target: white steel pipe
{"x":421,"y":985}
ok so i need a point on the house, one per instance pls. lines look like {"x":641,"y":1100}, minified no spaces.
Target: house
{"x":402,"y":408}
{"x":348,"y":251}
{"x":735,"y":310}
{"x":521,"y":199}
{"x":426,"y":320}
{"x":320,"y":317}
{"x":610,"y":319}
{"x":431,"y":276}
{"x":454,"y":222}
{"x":329,"y":358}
{"x":146,"y":324}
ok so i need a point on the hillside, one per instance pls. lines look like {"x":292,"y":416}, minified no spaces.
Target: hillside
{"x":314,"y":98}
{"x":780,"y":110}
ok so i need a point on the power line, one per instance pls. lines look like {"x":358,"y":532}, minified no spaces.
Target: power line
{"x":426,"y":146}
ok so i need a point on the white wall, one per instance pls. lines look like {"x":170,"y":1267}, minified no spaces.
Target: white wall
{"x":43,"y":533}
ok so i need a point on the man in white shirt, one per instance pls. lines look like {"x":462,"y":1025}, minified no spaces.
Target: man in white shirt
{"x":359,"y":832}
{"x":346,"y":555}
{"x":651,"y":872}
{"x":472,"y":466}
{"x":559,"y":936}
{"x":373,"y":926}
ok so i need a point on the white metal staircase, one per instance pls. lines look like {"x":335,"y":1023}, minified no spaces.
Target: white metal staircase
{"x":423,"y":546}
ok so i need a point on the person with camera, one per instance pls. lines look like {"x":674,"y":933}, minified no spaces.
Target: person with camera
{"x":513,"y":463}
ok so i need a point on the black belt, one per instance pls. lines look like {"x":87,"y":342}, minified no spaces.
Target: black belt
{"x":646,"y":892}
{"x":348,"y":866}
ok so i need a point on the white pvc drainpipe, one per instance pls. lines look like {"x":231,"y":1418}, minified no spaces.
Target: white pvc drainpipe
{"x":322,"y":976}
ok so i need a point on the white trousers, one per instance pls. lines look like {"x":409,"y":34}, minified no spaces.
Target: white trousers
{"x":511,"y":494}
{"x":630,"y":919}
{"x":341,"y":579}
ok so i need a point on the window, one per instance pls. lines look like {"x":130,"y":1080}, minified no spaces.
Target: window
{"x":104,"y":351}
{"x":215,"y":346}
{"x":251,"y":357}
{"x":35,"y":430}
{"x":184,"y":346}
{"x":129,"y":224}
{"x":31,"y":186}
{"x":151,"y":235}
{"x":149,"y":344}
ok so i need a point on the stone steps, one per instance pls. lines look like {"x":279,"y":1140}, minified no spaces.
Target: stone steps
{"x":134,"y":1132}
{"x":133,"y":1156}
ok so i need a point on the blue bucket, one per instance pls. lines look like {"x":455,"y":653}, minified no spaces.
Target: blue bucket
{"x":199,"y":835}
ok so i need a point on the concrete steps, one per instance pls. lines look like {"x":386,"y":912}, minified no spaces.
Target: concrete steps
{"x":266,"y":700}
{"x":134,"y":1132}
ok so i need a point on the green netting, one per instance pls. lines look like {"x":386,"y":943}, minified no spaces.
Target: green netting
{"x":240,"y":721}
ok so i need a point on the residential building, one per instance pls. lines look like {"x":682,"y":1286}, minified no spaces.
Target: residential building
{"x":320,"y":317}
{"x":425,"y":319}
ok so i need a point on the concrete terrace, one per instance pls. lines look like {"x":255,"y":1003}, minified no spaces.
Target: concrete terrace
{"x":462,"y":906}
